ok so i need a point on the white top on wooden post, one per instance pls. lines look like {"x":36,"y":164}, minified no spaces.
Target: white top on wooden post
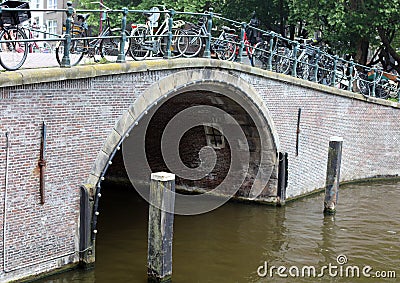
{"x":336,"y":138}
{"x":162,"y":176}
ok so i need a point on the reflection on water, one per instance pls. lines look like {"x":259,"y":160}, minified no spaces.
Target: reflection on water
{"x":230,"y":243}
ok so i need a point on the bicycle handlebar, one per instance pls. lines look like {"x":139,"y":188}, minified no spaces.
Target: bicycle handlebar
{"x":101,"y":4}
{"x":163,"y":7}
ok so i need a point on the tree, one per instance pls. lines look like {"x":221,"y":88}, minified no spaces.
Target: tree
{"x":387,"y":22}
{"x":177,"y":5}
{"x":351,"y":26}
{"x":272,"y":13}
{"x":348,"y":26}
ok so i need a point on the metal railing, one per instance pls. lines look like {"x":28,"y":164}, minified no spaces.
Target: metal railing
{"x":272,"y":51}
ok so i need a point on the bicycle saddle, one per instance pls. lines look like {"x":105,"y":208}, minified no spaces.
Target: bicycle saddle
{"x":228,"y":29}
{"x":147,"y":15}
{"x":82,"y":17}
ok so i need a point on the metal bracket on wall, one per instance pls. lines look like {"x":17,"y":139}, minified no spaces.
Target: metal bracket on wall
{"x":298,"y":131}
{"x":42,"y":163}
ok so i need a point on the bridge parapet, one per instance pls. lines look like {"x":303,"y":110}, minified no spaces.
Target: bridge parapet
{"x":88,"y":109}
{"x":35,"y":76}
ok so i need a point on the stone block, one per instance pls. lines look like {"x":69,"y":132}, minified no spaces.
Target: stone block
{"x":123,"y":124}
{"x":100,"y":163}
{"x":111,"y":142}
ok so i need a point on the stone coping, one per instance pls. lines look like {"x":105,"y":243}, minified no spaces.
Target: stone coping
{"x":33,"y":76}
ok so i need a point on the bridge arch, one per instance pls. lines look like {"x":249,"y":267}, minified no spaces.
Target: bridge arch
{"x":208,"y":87}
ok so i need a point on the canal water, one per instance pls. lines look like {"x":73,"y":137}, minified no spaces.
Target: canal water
{"x":242,"y":242}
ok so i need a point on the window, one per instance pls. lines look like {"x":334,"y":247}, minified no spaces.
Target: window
{"x":36,"y":27}
{"x":52,"y":27}
{"x":51,"y":4}
{"x":36,"y":4}
{"x":214,"y":137}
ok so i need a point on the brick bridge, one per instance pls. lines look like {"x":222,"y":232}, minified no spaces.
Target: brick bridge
{"x":90,"y":110}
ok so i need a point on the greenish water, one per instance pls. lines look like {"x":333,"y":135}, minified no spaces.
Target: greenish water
{"x":232,"y":242}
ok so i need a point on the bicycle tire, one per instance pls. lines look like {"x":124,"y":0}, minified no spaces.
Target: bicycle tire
{"x":76,"y":50}
{"x":382,"y":89}
{"x":303,"y":68}
{"x":137,"y":48}
{"x":259,"y":58}
{"x":110,"y":47}
{"x":341,"y":81}
{"x":194,"y":44}
{"x":362,"y":85}
{"x":284,"y":62}
{"x":249,"y":50}
{"x":225,"y":49}
{"x":177,"y":35}
{"x":13,"y":54}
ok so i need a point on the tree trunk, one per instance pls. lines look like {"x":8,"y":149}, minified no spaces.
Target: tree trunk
{"x":362,"y":47}
{"x":389,"y":48}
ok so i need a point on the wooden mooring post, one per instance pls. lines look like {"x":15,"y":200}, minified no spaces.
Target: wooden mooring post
{"x":160,"y":232}
{"x":333,"y":174}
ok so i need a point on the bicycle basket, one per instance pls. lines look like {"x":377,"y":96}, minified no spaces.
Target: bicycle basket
{"x":76,"y":29}
{"x":15,"y":17}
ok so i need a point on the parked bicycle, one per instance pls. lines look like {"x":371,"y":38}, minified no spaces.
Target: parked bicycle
{"x":106,"y":45}
{"x":272,"y":53}
{"x":149,"y":39}
{"x":226,"y":44}
{"x":251,"y":38}
{"x":196,"y":36}
{"x":352,"y":77}
{"x":383,"y":84}
{"x":13,"y":52}
{"x":33,"y":32}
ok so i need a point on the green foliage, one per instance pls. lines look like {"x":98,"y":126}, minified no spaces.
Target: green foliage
{"x":350,"y":26}
{"x":346,"y":24}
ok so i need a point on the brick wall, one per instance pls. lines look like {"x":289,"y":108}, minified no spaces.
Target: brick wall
{"x":371,"y":133}
{"x":80,"y":114}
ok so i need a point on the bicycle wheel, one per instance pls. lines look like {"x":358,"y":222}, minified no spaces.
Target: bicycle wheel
{"x":325,"y":71}
{"x":13,"y":54}
{"x":337,"y":74}
{"x":225,"y":49}
{"x":304,"y":68}
{"x":110,"y":47}
{"x":341,"y":80}
{"x":382,"y":89}
{"x":363,"y":86}
{"x":194,"y":44}
{"x":283,"y":62}
{"x":178,"y":37}
{"x":76,"y":51}
{"x":259,"y":58}
{"x":137,"y":46}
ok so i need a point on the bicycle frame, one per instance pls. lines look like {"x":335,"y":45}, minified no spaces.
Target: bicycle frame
{"x":94,"y":44}
{"x":152,"y":40}
{"x":248,"y":46}
{"x":33,"y":33}
{"x":200,"y":30}
{"x":105,"y":44}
